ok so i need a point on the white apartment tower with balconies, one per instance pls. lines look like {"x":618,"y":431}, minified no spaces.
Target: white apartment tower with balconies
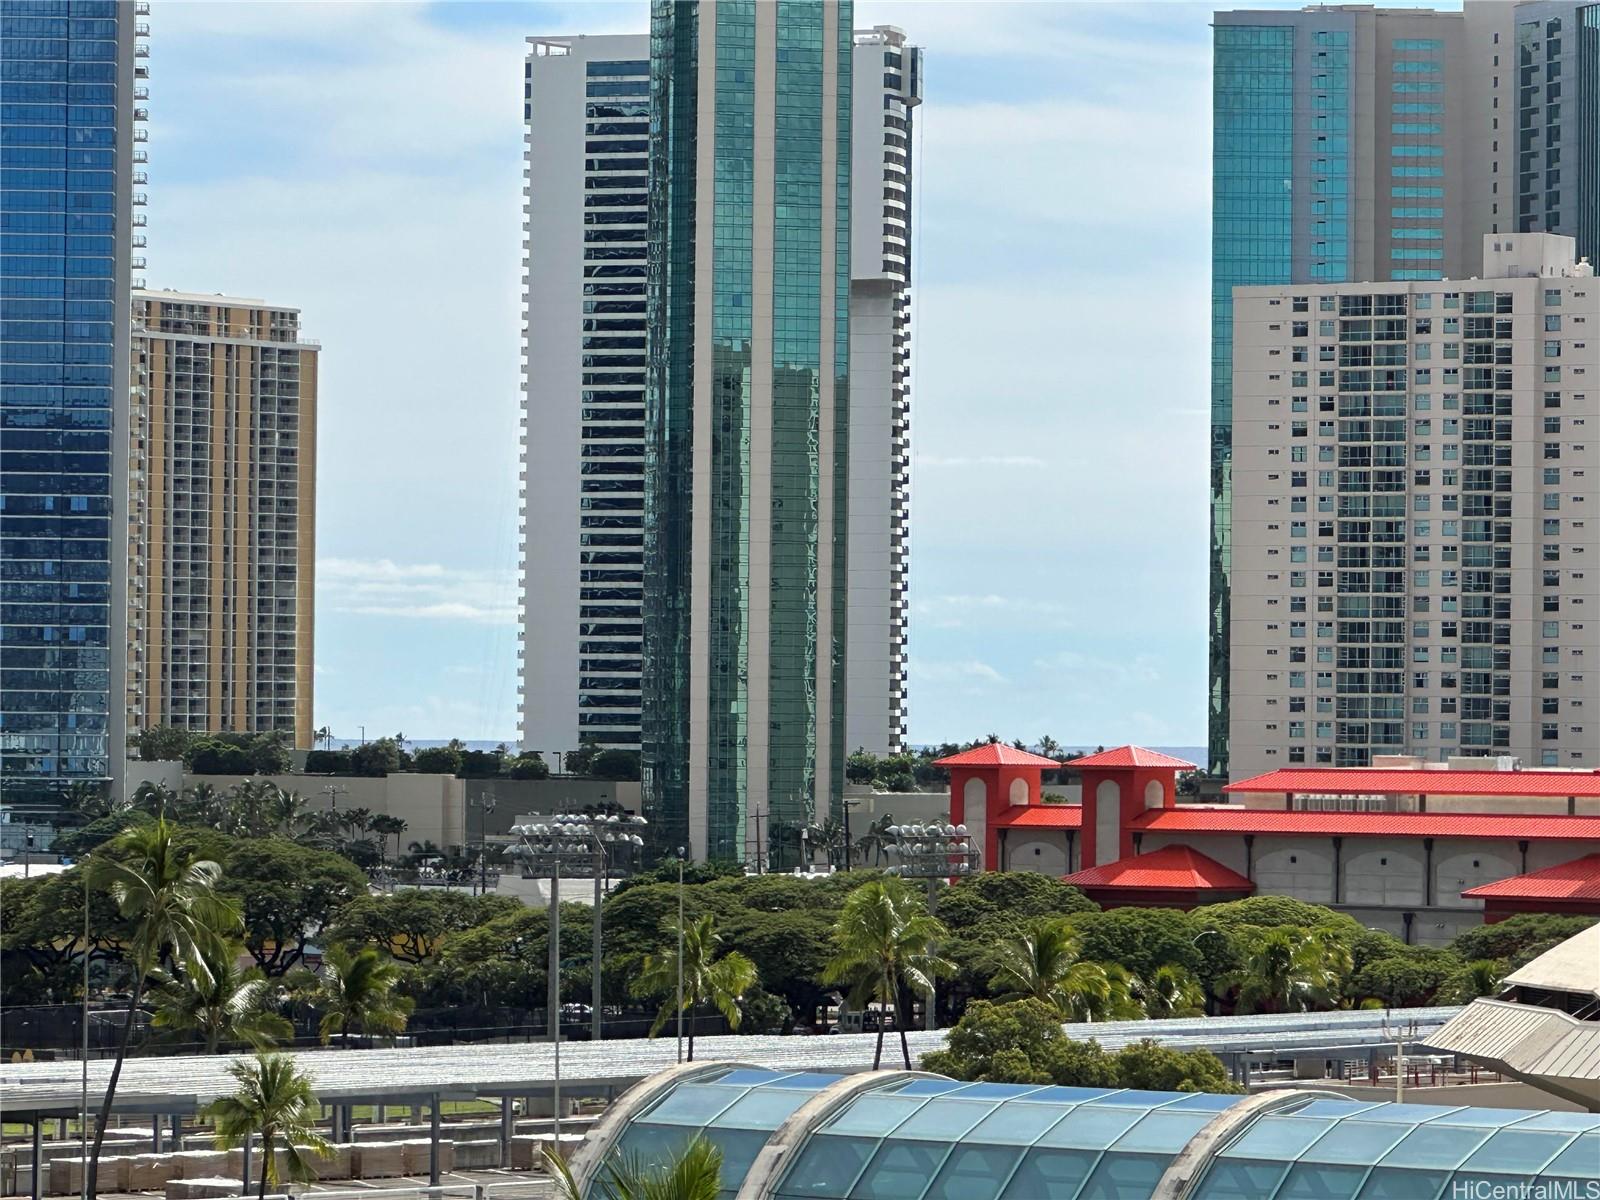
{"x":1416,"y":566}
{"x":885,"y":90}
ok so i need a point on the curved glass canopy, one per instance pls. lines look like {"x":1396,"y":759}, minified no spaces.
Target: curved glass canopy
{"x":926,"y":1138}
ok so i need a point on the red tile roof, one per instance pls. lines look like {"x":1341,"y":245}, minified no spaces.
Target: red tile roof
{"x":1197,"y":819}
{"x":996,"y":754}
{"x":1041,"y":816}
{"x":1360,"y":781}
{"x":1129,"y":757}
{"x":1172,"y":868}
{"x":1575,"y":880}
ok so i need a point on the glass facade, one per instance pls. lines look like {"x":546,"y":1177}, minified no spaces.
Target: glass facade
{"x":1252,"y":239}
{"x":65,"y":104}
{"x":808,"y":340}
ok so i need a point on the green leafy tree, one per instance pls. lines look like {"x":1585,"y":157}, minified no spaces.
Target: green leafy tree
{"x":387,"y":827}
{"x":707,"y":977}
{"x":411,"y":924}
{"x":163,"y":743}
{"x":1517,"y":939}
{"x":210,"y":756}
{"x":356,"y":993}
{"x":94,"y":800}
{"x":581,"y":760}
{"x":1149,"y":1066}
{"x":790,"y":950}
{"x":884,"y":951}
{"x":616,"y":765}
{"x":269,"y":753}
{"x":287,"y":894}
{"x":1469,"y":981}
{"x":225,"y":1008}
{"x":376,"y":758}
{"x":41,"y":938}
{"x":329,"y":762}
{"x":168,"y":896}
{"x":274,"y":1102}
{"x":437,"y":760}
{"x":1290,"y":970}
{"x":762,"y":1012}
{"x":1015,"y":1042}
{"x":1412,"y":977}
{"x":861,"y":767}
{"x":529,"y":765}
{"x":482,"y":764}
{"x":1142,"y":939}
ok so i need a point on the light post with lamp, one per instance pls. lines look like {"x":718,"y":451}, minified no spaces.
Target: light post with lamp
{"x":931,"y":852}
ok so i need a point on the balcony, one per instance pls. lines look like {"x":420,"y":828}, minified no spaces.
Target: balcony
{"x":141,"y":156}
{"x":141,"y":135}
{"x":141,"y":198}
{"x":141,"y":93}
{"x":140,"y":178}
{"x":142,"y":50}
{"x":141,"y":114}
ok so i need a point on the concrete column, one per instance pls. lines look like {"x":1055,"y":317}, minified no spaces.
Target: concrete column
{"x":433,"y":1140}
{"x":1522,"y":848}
{"x":1250,"y":857}
{"x":1427,"y":867}
{"x":244,"y":1171}
{"x":38,"y":1157}
{"x":508,"y":1125}
{"x":1338,"y":870}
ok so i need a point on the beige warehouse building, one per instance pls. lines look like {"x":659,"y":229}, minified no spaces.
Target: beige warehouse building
{"x":222,"y":503}
{"x":1415,"y":561}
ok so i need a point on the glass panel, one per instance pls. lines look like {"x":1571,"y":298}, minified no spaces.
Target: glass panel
{"x":1413,"y":1114}
{"x":1067,"y":1095}
{"x":1486,"y":1118}
{"x":900,"y":1171}
{"x":998,"y":1091}
{"x":1396,"y":1183}
{"x":1436,"y":1146}
{"x":1336,"y":1109}
{"x":1570,"y":1121}
{"x":1280,"y":1138}
{"x":1363,"y":1142}
{"x":1580,"y":1160}
{"x":805,"y":1079}
{"x":1091,"y":1128}
{"x":827,"y":1166}
{"x":739,"y":1150}
{"x":931,"y":1087}
{"x":748,"y":1076}
{"x":1016,"y":1124}
{"x":1206,"y":1101}
{"x":944,"y":1119}
{"x":974,"y":1173}
{"x":652,"y":1145}
{"x":761,"y":1108}
{"x":1239,"y":1181}
{"x":1125,"y":1177}
{"x":1050,"y":1173}
{"x":1163,"y":1132}
{"x":1321,"y":1181}
{"x":874,"y":1115}
{"x":1131,"y":1098}
{"x":693,"y":1104}
{"x":1520,"y":1150}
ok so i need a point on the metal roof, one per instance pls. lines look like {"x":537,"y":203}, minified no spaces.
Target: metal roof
{"x":1575,"y":880}
{"x":996,"y":754}
{"x":1541,"y":1046}
{"x":1171,"y":868}
{"x":1570,"y":966}
{"x":1363,"y":781}
{"x":181,"y":1084}
{"x":1041,"y":816}
{"x":1229,"y":819}
{"x":1129,"y":758}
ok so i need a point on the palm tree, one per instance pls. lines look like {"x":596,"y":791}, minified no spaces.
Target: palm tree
{"x":276,"y":1101}
{"x":417,"y":851}
{"x":356,"y":993}
{"x":707,"y":979}
{"x":1172,"y":991}
{"x":882,"y":948}
{"x":386,"y":827}
{"x":290,"y":813}
{"x":1290,"y":971}
{"x":227,"y":1009}
{"x":875,"y":839}
{"x":154,"y":798}
{"x":1480,"y":977}
{"x":170,"y":899}
{"x":1042,"y":963}
{"x":694,"y":1173}
{"x":202,"y":804}
{"x":94,"y":800}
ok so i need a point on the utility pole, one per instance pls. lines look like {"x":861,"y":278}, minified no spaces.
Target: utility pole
{"x":333,"y":792}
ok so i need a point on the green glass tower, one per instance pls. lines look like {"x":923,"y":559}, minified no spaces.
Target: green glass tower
{"x":746,"y":424}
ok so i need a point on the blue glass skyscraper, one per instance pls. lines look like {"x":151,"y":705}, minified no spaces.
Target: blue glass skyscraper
{"x":68,"y":78}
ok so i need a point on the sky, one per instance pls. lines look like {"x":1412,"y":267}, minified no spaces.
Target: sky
{"x":363,"y":162}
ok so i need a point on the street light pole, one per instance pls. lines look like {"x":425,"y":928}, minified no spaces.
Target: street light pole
{"x":680,"y":954}
{"x":553,"y":992}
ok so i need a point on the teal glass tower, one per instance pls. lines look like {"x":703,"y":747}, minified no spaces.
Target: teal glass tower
{"x":746,"y":424}
{"x":67,"y":90}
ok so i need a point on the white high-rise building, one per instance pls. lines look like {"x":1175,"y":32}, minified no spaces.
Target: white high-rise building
{"x":587,"y":116}
{"x":1416,"y":566}
{"x":886,"y":87}
{"x":586,"y":104}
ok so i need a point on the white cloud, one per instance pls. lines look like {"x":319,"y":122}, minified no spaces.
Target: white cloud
{"x":416,"y":591}
{"x":971,"y":672}
{"x":982,"y":460}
